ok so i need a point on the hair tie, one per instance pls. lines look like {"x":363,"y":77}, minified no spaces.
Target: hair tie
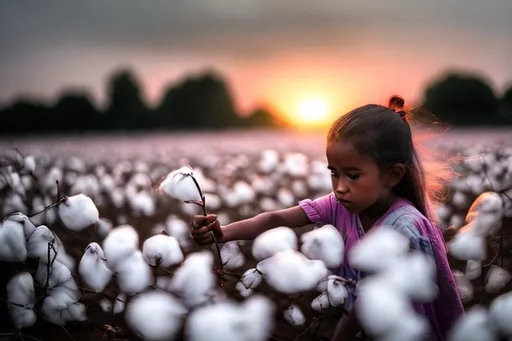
{"x":396,"y":104}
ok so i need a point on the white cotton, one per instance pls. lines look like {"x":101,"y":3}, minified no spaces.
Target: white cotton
{"x":500,"y":313}
{"x":29,"y":164}
{"x":103,"y":227}
{"x":325,"y":244}
{"x":194,"y":280}
{"x":105,"y":305}
{"x":378,"y":250}
{"x":155,"y":316}
{"x":78,"y":212}
{"x":242,"y":290}
{"x":133,"y":274}
{"x":180,"y":185}
{"x":473,"y":269}
{"x":290,"y":272}
{"x":37,"y":244}
{"x":475,"y":325}
{"x":464,"y":286}
{"x":213,"y":201}
{"x":119,"y":303}
{"x":117,"y":197}
{"x":321,"y":302}
{"x":250,"y":320}
{"x":457,"y":221}
{"x":380,"y":307}
{"x":60,"y":279}
{"x":299,"y":188}
{"x":231,"y":255}
{"x":269,"y":161}
{"x":459,"y":200}
{"x":272,"y":241}
{"x":411,"y":327}
{"x":251,"y":278}
{"x":60,"y":307}
{"x":93,"y":268}
{"x":285,"y":197}
{"x":496,"y":279}
{"x":12,"y":240}
{"x":21,"y":300}
{"x":487,"y":223}
{"x":415,"y":276}
{"x":179,"y":230}
{"x":162,"y":250}
{"x":336,"y":292}
{"x":163,"y":283}
{"x":444,"y":212}
{"x":244,"y":192}
{"x":322,"y":285}
{"x":119,"y":244}
{"x":294,"y":316}
{"x":468,"y":245}
{"x":28,"y":226}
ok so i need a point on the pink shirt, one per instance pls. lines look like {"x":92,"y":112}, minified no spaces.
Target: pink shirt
{"x":423,"y":234}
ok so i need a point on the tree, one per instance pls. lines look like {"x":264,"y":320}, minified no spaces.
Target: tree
{"x":462,"y":99}
{"x":126,"y":108}
{"x":74,"y":111}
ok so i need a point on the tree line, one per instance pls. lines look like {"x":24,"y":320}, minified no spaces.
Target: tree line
{"x":205,"y":102}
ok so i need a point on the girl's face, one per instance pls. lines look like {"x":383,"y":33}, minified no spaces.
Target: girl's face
{"x":356,"y":179}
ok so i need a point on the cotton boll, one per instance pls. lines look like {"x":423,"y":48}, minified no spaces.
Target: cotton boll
{"x":179,"y":230}
{"x":259,"y":311}
{"x":13,"y":203}
{"x":497,"y":278}
{"x":474,"y":326}
{"x":378,"y":250}
{"x":103,"y":227}
{"x":242,"y":290}
{"x":119,"y":303}
{"x":473,"y":269}
{"x":457,"y":221}
{"x":119,"y":244}
{"x":133,"y":273}
{"x":231,"y":255}
{"x":155,"y":316}
{"x":500,"y":311}
{"x":37,"y":244}
{"x":290,"y":272}
{"x":244,"y":193}
{"x":444,"y":212}
{"x":272,"y":241}
{"x":285,"y":197}
{"x":12,"y":239}
{"x":75,"y":312}
{"x":162,"y":250}
{"x":78,"y":212}
{"x":27,"y":225}
{"x":459,"y":200}
{"x":325,"y":244}
{"x":319,"y":182}
{"x":194,"y":280}
{"x":321,"y":302}
{"x":213,"y":201}
{"x":468,"y":245}
{"x":117,"y":197}
{"x":268,"y":204}
{"x":180,"y":185}
{"x":414,"y":276}
{"x":336,"y":292}
{"x":55,"y":305}
{"x":464,"y":286}
{"x":299,"y":188}
{"x":251,"y":278}
{"x":380,"y":306}
{"x":269,"y":161}
{"x":142,"y":204}
{"x":21,"y":300}
{"x":410,"y":328}
{"x":294,"y":316}
{"x":29,"y":164}
{"x":93,"y":268}
{"x":60,"y":280}
{"x":105,"y":305}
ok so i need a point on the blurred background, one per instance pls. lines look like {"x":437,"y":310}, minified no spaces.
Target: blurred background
{"x":74,"y":67}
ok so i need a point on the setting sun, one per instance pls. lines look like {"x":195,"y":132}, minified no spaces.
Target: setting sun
{"x":312,"y":110}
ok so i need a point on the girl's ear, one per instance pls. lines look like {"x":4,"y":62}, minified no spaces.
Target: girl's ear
{"x":395,"y":173}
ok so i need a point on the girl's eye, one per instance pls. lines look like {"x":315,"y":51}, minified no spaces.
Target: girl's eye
{"x":353,"y":176}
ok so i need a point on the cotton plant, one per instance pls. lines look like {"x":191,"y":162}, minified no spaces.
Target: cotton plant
{"x":500,"y":311}
{"x":60,"y":308}
{"x":333,"y":293}
{"x":473,"y":269}
{"x":272,"y":241}
{"x":251,"y":278}
{"x":133,"y":273}
{"x":325,"y":244}
{"x":93,"y":268}
{"x":155,"y":316}
{"x":21,"y":300}
{"x":56,"y":277}
{"x":12,"y":239}
{"x":475,"y":325}
{"x":78,"y":212}
{"x":464,"y":286}
{"x":181,"y":185}
{"x":250,"y":320}
{"x":42,"y":243}
{"x":496,"y":279}
{"x":468,"y":244}
{"x":290,"y":272}
{"x":162,"y":250}
{"x":294,"y":315}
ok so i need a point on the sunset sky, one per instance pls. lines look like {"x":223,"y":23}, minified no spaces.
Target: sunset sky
{"x":323,"y":55}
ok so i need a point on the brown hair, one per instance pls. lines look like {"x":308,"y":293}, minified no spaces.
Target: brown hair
{"x":384,"y":134}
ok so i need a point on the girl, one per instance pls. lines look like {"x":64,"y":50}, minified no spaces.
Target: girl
{"x":377,"y":179}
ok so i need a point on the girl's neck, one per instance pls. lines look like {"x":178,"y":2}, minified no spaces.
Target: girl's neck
{"x":373,"y":213}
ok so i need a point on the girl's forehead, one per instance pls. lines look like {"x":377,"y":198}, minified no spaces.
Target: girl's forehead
{"x":343,"y":154}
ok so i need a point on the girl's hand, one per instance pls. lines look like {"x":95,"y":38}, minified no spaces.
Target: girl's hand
{"x":201,"y":227}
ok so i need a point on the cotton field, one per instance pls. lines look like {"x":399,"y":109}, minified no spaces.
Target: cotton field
{"x":99,"y":248}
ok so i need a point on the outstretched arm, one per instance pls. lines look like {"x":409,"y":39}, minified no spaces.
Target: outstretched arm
{"x":347,"y":328}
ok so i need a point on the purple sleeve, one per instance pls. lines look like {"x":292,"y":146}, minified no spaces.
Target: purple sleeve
{"x":320,"y":210}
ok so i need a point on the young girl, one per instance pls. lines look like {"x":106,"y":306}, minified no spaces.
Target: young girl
{"x":377,"y":179}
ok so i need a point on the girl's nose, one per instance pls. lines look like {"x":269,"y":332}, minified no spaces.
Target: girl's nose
{"x":341,"y":188}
